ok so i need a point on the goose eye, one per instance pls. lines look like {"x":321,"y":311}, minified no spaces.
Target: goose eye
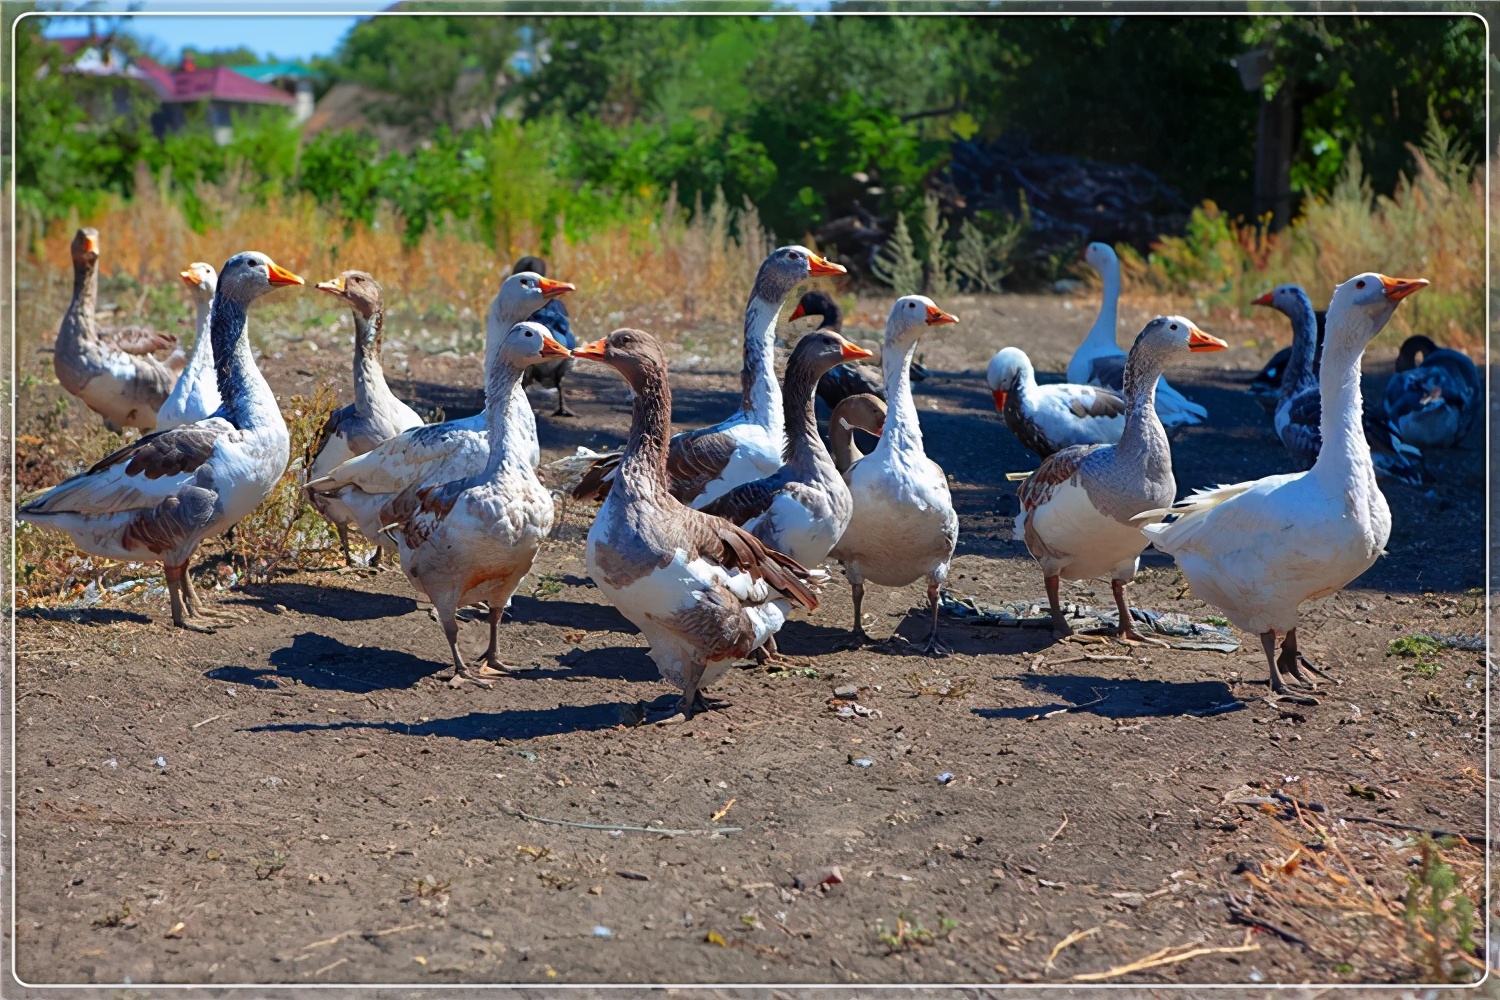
{"x":1359,"y":284}
{"x":1174,"y":326}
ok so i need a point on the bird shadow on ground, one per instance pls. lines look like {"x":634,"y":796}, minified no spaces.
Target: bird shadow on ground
{"x":320,"y":661}
{"x":512,"y":724}
{"x":569,"y":614}
{"x":83,"y":616}
{"x":623,"y":663}
{"x":342,"y":603}
{"x":1118,"y":698}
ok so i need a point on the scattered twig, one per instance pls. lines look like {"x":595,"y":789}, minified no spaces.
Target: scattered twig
{"x":1092,"y":658}
{"x":1473,"y":838}
{"x":329,"y":967}
{"x":391,"y":930}
{"x":1071,"y":939}
{"x":1238,"y":913}
{"x":722,"y":812}
{"x":328,"y":941}
{"x":1071,"y":708}
{"x":206,"y":721}
{"x":1058,"y":832}
{"x":618,"y":826}
{"x":1165,"y":957}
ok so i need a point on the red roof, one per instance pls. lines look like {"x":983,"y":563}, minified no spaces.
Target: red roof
{"x":219,"y":83}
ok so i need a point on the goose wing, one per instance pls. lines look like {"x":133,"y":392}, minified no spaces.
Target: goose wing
{"x":139,"y":475}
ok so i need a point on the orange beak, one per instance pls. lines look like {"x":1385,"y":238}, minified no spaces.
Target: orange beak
{"x":1397,"y":289}
{"x":1201,"y":343}
{"x":1264,"y":300}
{"x":90,"y":244}
{"x":797,"y":313}
{"x":552,"y":289}
{"x":594,"y":351}
{"x":818,"y":267}
{"x":281,"y":276}
{"x":191,"y":277}
{"x":334,"y":287}
{"x":853,"y":352}
{"x":552,"y":349}
{"x":999,"y":400}
{"x":936,"y":316}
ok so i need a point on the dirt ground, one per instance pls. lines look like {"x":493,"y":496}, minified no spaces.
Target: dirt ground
{"x":302,"y":799}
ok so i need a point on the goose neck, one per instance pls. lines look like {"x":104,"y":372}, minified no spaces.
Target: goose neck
{"x":1299,"y":367}
{"x":903,"y":431}
{"x":507,"y":447}
{"x":643,"y":465}
{"x":804,"y":446}
{"x":760,"y":392}
{"x":1345,"y":454}
{"x":1107,"y":322}
{"x":81,"y":308}
{"x":245,"y":398}
{"x":202,"y":356}
{"x":369,"y":374}
{"x":1143,"y":439}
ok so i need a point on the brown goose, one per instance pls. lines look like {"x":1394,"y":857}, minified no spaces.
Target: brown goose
{"x":117,"y":379}
{"x":864,"y":412}
{"x":702,"y":590}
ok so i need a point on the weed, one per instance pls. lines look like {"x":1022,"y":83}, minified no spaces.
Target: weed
{"x":548,"y":585}
{"x":909,"y":931}
{"x":1218,"y":620}
{"x":1440,"y":915}
{"x":782,"y":670}
{"x":271,"y":864}
{"x":116,"y":918}
{"x":427,"y":887}
{"x":1417,"y":647}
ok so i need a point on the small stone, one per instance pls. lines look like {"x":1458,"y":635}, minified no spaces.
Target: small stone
{"x":846,"y":691}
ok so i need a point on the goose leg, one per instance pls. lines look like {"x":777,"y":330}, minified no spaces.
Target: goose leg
{"x":860,"y":638}
{"x":562,"y":405}
{"x":196,"y":607}
{"x":1127,"y":632}
{"x":461,"y":674}
{"x":375,"y":559}
{"x":343,"y":530}
{"x":1291,"y":660}
{"x":1278,"y":686}
{"x":182,"y":615}
{"x":933,"y":647}
{"x":1060,"y":627}
{"x":490,"y":664}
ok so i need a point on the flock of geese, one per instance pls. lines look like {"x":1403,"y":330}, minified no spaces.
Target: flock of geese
{"x":709,"y":539}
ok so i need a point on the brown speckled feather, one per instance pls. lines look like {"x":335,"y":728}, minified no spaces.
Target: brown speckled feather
{"x":1055,"y":470}
{"x":165,"y":453}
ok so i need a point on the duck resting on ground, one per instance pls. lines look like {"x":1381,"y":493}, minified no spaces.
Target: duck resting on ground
{"x":159,"y":497}
{"x":450,"y":450}
{"x":702,"y":590}
{"x":554,"y":316}
{"x":1049,"y":418}
{"x":1076,"y":509}
{"x":1432,"y":405}
{"x":196,"y":393}
{"x":1258,"y":550}
{"x":1299,"y":407}
{"x":1099,"y":360}
{"x":707,"y":463}
{"x":475,"y":538}
{"x":864,"y":412}
{"x":375,"y":416}
{"x":842,"y":381}
{"x":904,"y":527}
{"x":117,"y":379}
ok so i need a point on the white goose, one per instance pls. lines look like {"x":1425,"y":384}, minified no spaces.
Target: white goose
{"x":1076,"y":509}
{"x":474,"y":539}
{"x":1049,"y":418}
{"x":196,"y":394}
{"x":376,"y":415}
{"x":159,"y":497}
{"x":904,"y":526}
{"x":450,"y":450}
{"x":1258,"y":550}
{"x":1099,"y":360}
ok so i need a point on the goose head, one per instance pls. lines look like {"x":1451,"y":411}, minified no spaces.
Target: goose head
{"x":1289,"y":300}
{"x":909,"y":316}
{"x":821,"y":350}
{"x":533,"y":264}
{"x":358,"y":288}
{"x":85,"y":247}
{"x":529,"y":343}
{"x":1166,"y":337}
{"x":787,"y":267}
{"x":249,"y":275}
{"x":1101,"y":256}
{"x":821,"y":305}
{"x":521,"y":295}
{"x":860,"y":412}
{"x":1410,"y":348}
{"x":1363,"y":304}
{"x":1007,"y":368}
{"x":202,"y":279}
{"x":635,"y":354}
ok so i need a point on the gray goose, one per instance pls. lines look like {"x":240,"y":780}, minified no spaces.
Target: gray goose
{"x":116,"y":378}
{"x":709,"y":462}
{"x":1076,"y":508}
{"x":375,"y":416}
{"x":159,"y":497}
{"x":702,"y":590}
{"x":864,"y":412}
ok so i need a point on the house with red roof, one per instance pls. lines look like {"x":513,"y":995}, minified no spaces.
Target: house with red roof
{"x":219,"y":91}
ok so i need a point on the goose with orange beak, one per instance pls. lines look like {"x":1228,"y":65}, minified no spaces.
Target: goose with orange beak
{"x":157,"y":499}
{"x":904,"y":527}
{"x":1077,"y":507}
{"x":705,"y":464}
{"x":1258,"y":550}
{"x":196,"y":394}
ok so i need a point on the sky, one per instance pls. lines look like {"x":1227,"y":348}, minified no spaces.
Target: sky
{"x":266,"y":34}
